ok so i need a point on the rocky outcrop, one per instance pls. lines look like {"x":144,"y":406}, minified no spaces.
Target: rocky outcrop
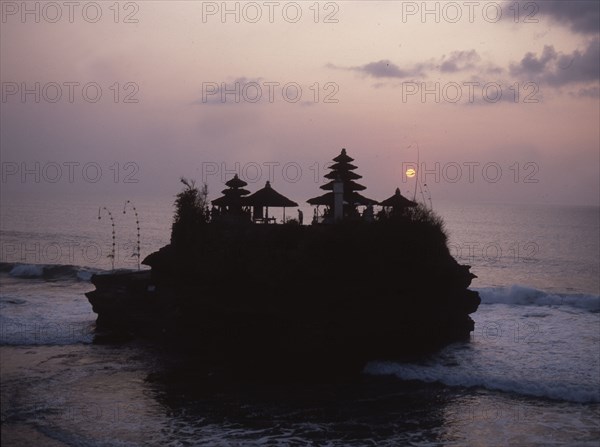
{"x":337,"y":294}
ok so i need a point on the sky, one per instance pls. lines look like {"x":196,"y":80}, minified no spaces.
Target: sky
{"x":490,"y":101}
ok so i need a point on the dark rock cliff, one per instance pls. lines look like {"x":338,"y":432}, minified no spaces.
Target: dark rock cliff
{"x":337,"y":294}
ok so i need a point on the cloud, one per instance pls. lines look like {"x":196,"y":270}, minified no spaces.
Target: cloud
{"x":532,"y":65}
{"x":558,"y":69}
{"x":383,"y":69}
{"x":549,"y":68}
{"x":591,"y":92}
{"x":581,"y":16}
{"x":457,"y":61}
{"x":386,"y":69}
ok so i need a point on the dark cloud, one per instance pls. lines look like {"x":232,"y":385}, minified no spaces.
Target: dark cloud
{"x":532,"y":65}
{"x":560,"y":69}
{"x":581,"y":16}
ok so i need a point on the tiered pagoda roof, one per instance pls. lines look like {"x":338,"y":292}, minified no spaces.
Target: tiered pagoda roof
{"x":342,"y":170}
{"x":232,"y":197}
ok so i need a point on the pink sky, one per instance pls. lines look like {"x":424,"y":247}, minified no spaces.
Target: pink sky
{"x":369,"y":63}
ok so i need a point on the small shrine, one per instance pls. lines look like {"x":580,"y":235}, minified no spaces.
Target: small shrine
{"x":231,"y":201}
{"x":265,"y":198}
{"x":397,"y":203}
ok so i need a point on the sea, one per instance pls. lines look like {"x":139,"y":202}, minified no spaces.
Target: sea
{"x":528,"y":376}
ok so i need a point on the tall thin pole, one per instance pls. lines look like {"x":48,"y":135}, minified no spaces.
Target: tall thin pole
{"x":112,"y":222}
{"x":418,"y":169}
{"x":137,"y":223}
{"x":428,"y":193}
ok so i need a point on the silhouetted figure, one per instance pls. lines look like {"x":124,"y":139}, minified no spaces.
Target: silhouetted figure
{"x":368,"y":214}
{"x":300,"y":217}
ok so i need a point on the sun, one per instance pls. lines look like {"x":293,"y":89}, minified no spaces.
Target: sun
{"x":410,"y":172}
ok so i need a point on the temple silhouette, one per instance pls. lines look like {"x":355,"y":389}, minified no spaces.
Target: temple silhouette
{"x":341,"y":202}
{"x":234,"y":290}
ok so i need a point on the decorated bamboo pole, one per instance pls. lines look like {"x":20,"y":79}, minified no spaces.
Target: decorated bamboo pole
{"x":137,"y":223}
{"x":111,"y":255}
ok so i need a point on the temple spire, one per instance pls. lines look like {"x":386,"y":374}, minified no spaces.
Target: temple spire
{"x":231,"y":200}
{"x":343,"y":171}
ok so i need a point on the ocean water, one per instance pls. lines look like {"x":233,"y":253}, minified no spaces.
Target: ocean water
{"x":530,"y":375}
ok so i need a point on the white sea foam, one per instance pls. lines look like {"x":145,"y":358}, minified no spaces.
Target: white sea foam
{"x":484,"y":378}
{"x":548,"y":351}
{"x":49,"y":271}
{"x":27,"y":271}
{"x":84,"y":275}
{"x":521,"y":295}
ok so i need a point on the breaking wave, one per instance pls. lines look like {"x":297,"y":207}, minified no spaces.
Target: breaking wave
{"x":48,"y":271}
{"x":521,"y":295}
{"x":478,"y":378}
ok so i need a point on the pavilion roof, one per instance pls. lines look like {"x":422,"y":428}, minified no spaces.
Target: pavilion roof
{"x":398,"y":201}
{"x":268,"y":197}
{"x":227,"y":201}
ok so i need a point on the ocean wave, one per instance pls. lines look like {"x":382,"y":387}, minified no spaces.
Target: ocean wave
{"x":521,"y":295}
{"x":48,"y":271}
{"x":477,"y":378}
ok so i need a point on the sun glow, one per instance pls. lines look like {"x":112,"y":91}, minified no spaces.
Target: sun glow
{"x":410,"y":172}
